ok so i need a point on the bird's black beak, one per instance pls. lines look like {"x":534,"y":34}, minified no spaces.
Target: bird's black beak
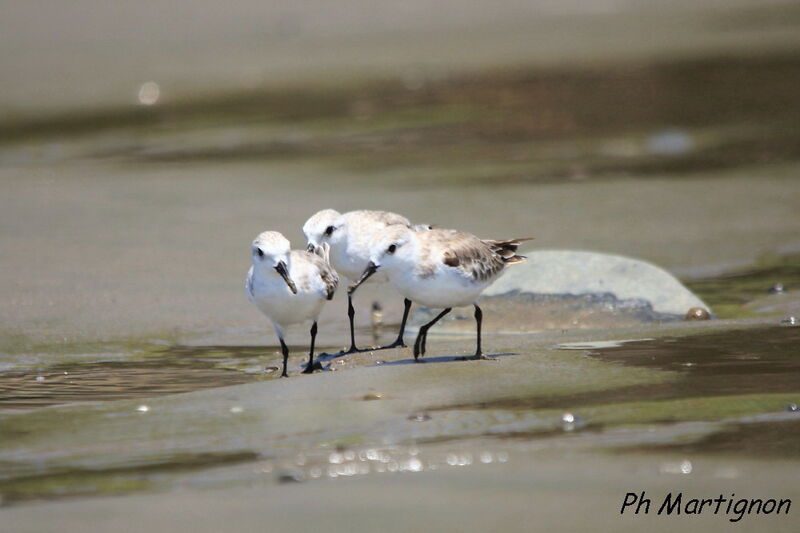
{"x":370,"y":270}
{"x":310,"y":248}
{"x":281,"y":268}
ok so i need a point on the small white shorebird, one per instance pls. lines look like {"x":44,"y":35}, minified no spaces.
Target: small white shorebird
{"x":289,"y":286}
{"x":350,"y":236}
{"x":440,"y":268}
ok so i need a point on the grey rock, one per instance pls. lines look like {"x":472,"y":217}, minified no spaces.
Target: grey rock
{"x":578,"y":273}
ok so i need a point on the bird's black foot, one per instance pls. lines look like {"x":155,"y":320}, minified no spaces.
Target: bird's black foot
{"x":309,"y":369}
{"x":419,"y":346}
{"x":396,"y":344}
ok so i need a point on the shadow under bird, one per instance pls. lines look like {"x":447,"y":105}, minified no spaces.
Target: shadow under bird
{"x":440,"y":268}
{"x":289,"y":286}
{"x":350,"y":237}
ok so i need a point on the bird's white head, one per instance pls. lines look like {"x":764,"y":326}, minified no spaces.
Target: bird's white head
{"x":391,"y":251}
{"x":271,"y":251}
{"x":323,"y":226}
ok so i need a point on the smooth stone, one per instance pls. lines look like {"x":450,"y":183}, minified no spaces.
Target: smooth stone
{"x":576,"y":273}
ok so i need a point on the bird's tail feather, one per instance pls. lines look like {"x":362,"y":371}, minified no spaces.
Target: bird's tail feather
{"x":507,"y":249}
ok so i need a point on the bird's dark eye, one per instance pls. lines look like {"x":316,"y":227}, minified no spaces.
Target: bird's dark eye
{"x":329,"y":230}
{"x":260,"y":252}
{"x":391,"y":248}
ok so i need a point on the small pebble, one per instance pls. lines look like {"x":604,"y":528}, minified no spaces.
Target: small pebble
{"x":777,"y":288}
{"x":373,"y":396}
{"x":697,"y":313}
{"x":290,"y":476}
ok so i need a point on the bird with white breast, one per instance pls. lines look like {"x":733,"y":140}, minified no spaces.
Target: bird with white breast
{"x":351,"y":236}
{"x":439,"y":268}
{"x":289,"y":286}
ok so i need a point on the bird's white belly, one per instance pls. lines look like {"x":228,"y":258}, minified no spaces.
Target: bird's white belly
{"x":285,"y":308}
{"x":442,"y":290}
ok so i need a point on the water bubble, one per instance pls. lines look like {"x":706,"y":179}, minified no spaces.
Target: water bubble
{"x":349,"y":455}
{"x":236,"y":409}
{"x":486,"y":457}
{"x":419,"y":417}
{"x":571,"y":422}
{"x":502,"y":457}
{"x":684,"y":467}
{"x":315,"y":472}
{"x":40,"y":379}
{"x":149,"y":93}
{"x":373,"y":455}
{"x":347,"y":469}
{"x":143,"y":408}
{"x":336,"y":458}
{"x":413,"y":465}
{"x":792,"y":321}
{"x":452,"y":459}
{"x":300,"y":460}
{"x":792,"y":407}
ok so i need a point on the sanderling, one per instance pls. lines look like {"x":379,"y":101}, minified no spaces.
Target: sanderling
{"x":440,"y":268}
{"x":350,"y":236}
{"x":289,"y":286}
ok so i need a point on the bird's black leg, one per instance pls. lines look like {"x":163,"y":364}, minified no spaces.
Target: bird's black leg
{"x":285,"y":350}
{"x":419,"y":344}
{"x":478,"y":322}
{"x":310,"y":368}
{"x":399,"y":342}
{"x":351,"y":313}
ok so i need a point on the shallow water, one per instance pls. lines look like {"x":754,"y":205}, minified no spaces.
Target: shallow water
{"x":728,"y":293}
{"x":103,"y":381}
